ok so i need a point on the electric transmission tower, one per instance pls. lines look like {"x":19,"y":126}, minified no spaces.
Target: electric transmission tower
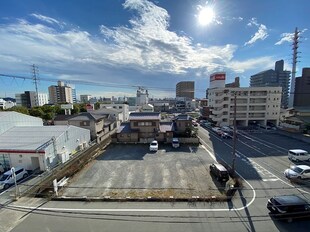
{"x":295,"y":47}
{"x":35,"y":78}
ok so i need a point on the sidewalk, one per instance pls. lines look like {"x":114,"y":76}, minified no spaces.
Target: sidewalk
{"x":10,"y":216}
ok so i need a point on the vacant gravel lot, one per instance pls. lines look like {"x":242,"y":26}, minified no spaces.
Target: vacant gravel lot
{"x":132,"y":171}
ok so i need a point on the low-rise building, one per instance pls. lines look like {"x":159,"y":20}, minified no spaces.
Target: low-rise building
{"x":144,"y":127}
{"x":41,"y":147}
{"x":9,"y":119}
{"x":98,"y":123}
{"x":254,"y":105}
{"x":6,"y":104}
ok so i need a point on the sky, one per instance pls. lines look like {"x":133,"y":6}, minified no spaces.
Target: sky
{"x":109,"y":48}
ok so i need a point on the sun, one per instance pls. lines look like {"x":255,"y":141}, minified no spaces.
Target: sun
{"x":206,"y":16}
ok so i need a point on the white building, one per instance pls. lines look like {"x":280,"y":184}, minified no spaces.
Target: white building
{"x":257,"y":105}
{"x":6,"y":104}
{"x":43,"y":99}
{"x":85,"y":98}
{"x":9,"y":119}
{"x":142,"y":97}
{"x":123,"y":108}
{"x":41,"y":147}
{"x":147,"y":108}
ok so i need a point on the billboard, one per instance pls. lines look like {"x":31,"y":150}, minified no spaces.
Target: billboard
{"x":218,"y":76}
{"x":217,"y":80}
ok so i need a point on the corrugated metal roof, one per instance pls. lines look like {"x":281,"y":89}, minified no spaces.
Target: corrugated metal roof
{"x":29,"y":138}
{"x":144,"y":116}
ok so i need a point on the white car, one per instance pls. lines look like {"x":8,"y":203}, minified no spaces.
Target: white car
{"x":7,"y":178}
{"x":298,"y":172}
{"x":175,"y":143}
{"x":154,"y":146}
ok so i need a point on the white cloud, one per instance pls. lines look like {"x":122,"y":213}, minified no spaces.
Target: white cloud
{"x":261,"y":33}
{"x":288,"y":37}
{"x":47,"y":19}
{"x":259,"y":63}
{"x":123,"y":54}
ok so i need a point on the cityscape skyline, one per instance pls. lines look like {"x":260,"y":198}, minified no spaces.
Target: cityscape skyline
{"x":169,"y":44}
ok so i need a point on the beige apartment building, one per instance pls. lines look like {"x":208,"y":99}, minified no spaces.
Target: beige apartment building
{"x":60,"y":93}
{"x":254,"y":105}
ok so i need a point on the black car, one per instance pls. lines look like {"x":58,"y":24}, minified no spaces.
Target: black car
{"x":288,"y":207}
{"x":220,"y":172}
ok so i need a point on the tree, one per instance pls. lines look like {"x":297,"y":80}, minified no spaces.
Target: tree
{"x":97,"y":105}
{"x":19,"y":109}
{"x":36,"y":112}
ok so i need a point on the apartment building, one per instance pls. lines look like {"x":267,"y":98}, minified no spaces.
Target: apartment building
{"x":185,"y":89}
{"x":274,"y":78}
{"x":254,"y":105}
{"x":60,"y":93}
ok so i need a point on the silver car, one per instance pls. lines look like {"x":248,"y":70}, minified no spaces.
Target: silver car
{"x":297,"y":172}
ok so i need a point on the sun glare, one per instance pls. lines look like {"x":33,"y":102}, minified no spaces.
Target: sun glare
{"x":206,"y":16}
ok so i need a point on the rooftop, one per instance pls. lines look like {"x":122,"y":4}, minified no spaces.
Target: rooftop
{"x":144,"y":116}
{"x":29,"y":138}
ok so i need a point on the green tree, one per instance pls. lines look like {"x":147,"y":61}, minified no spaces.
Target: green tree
{"x":97,"y":105}
{"x":36,"y":112}
{"x":20,"y":109}
{"x":82,"y":107}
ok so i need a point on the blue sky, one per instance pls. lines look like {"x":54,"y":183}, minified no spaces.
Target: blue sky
{"x":118,"y":44}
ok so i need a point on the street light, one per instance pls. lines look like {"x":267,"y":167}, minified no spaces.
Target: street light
{"x":16,"y":187}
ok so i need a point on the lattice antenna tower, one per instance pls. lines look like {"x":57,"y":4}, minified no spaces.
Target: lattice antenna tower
{"x":294,"y":62}
{"x":35,"y":79}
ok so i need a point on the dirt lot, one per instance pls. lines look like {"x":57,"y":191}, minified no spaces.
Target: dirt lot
{"x":132,"y":171}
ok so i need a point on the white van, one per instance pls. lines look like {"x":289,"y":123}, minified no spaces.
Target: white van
{"x":7,"y":178}
{"x":298,"y":155}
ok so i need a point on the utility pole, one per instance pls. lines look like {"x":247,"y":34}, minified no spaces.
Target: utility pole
{"x":35,"y":79}
{"x":234,"y":136}
{"x":295,"y":47}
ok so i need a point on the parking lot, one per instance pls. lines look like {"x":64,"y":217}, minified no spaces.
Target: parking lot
{"x":124,"y":171}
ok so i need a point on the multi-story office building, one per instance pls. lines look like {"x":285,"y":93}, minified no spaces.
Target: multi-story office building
{"x":27,"y":99}
{"x":85,"y":98}
{"x":60,"y":93}
{"x":302,"y":89}
{"x":256,"y":105}
{"x":274,"y":78}
{"x":185,"y":89}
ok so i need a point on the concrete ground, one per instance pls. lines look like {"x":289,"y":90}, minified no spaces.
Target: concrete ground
{"x":132,"y":171}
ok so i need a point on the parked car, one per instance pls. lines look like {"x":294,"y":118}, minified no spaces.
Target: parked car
{"x":175,"y":143}
{"x":298,"y":155}
{"x":220,"y":172}
{"x":1,"y":168}
{"x":154,"y":146}
{"x":288,"y":207}
{"x":298,"y":172}
{"x":7,"y":178}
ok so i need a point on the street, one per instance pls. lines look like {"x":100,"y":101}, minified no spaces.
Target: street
{"x":261,"y":159}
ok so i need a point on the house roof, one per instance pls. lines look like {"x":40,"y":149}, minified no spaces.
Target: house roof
{"x":62,"y":117}
{"x":125,"y":128}
{"x":27,"y":138}
{"x":144,"y":116}
{"x":184,"y":117}
{"x":166,"y":126}
{"x":87,"y":116}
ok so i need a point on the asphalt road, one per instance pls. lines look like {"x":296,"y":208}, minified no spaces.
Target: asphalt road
{"x":261,"y":159}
